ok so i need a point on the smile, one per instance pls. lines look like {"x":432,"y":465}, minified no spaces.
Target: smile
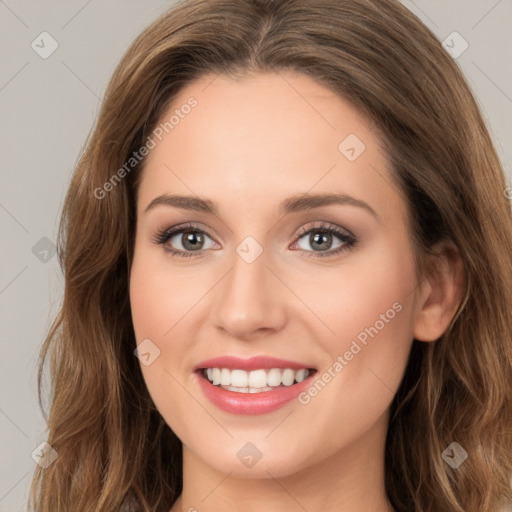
{"x":255,"y":381}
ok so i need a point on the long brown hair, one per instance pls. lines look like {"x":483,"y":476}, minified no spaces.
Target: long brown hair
{"x":113,"y":446}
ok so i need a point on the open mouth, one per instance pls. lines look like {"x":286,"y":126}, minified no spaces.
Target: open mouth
{"x":254,"y":381}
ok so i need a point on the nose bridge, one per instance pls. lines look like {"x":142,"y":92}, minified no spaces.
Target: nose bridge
{"x":249,"y":299}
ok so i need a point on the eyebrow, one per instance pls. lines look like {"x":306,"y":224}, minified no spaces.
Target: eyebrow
{"x":292,"y":204}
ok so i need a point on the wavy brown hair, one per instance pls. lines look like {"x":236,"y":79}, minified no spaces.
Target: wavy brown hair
{"x":114,"y":448}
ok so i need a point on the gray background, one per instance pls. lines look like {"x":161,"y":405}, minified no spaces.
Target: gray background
{"x":48,"y":107}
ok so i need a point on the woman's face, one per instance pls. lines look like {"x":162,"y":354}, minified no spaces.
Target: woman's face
{"x":259,"y":277}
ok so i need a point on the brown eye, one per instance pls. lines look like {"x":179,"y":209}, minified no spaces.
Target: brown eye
{"x":191,"y":240}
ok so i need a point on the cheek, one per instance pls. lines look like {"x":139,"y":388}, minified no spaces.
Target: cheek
{"x":156,"y":308}
{"x":164,"y":300}
{"x":368,"y":297}
{"x":160,"y":294}
{"x":370,"y":310}
{"x":149,"y":303}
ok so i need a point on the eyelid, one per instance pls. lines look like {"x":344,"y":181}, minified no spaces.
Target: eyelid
{"x":324,"y":225}
{"x":171,"y":231}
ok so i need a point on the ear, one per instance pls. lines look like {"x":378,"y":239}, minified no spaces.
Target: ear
{"x":441,"y":292}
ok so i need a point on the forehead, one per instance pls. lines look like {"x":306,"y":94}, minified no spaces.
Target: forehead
{"x":263,"y":115}
{"x":263,"y":137}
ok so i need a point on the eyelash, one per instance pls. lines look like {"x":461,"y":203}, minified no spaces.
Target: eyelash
{"x":163,"y":236}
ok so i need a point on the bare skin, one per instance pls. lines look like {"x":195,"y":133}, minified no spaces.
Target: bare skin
{"x":248,"y":145}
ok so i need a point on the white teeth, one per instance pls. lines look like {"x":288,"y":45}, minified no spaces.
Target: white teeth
{"x":274,"y":377}
{"x":288,"y":377}
{"x":246,"y":390}
{"x":225,"y":377}
{"x":300,"y":375}
{"x":239,"y":378}
{"x":254,"y":381}
{"x":258,"y":379}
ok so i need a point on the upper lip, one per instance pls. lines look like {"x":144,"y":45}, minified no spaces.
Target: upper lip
{"x":252,"y":363}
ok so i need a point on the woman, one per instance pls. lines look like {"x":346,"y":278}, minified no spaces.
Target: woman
{"x":209,"y":355}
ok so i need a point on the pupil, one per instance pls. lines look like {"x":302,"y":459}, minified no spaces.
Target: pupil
{"x":315,"y":238}
{"x":192,"y":240}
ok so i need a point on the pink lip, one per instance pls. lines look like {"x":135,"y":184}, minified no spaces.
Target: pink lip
{"x":253,"y":363}
{"x":251,"y":403}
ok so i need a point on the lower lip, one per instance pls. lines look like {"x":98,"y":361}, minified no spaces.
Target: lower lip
{"x":251,"y":403}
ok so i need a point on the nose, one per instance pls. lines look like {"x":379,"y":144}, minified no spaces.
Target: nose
{"x":250,"y":301}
